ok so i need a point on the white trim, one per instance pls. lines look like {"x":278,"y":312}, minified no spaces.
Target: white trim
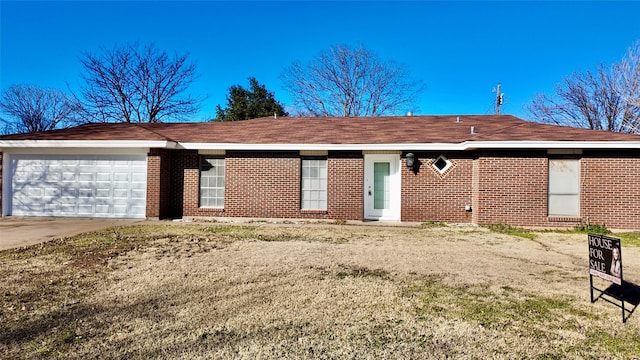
{"x":10,"y":145}
{"x":551,"y":145}
{"x":393,"y":212}
{"x":382,"y":152}
{"x":467,"y":145}
{"x":6,"y":183}
{"x":77,"y":151}
{"x":448,"y":164}
{"x":5,"y":145}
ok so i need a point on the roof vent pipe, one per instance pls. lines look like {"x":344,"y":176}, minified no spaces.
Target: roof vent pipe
{"x":457,"y":119}
{"x":275,"y":115}
{"x":409,"y":113}
{"x":473,"y":130}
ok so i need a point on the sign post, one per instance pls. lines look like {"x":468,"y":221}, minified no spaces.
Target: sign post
{"x":605,"y":261}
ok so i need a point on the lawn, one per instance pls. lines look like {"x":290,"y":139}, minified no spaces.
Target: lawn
{"x":310,"y":291}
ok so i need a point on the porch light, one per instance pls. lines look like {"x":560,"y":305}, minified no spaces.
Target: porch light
{"x":410,"y":160}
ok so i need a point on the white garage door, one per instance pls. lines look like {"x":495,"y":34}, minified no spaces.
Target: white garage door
{"x":79,"y":186}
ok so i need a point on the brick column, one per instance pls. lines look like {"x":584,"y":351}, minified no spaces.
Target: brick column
{"x":154,"y":159}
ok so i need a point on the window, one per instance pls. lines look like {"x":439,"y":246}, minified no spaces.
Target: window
{"x":211,"y":182}
{"x":314,"y":184}
{"x":564,"y":187}
{"x":442,"y":164}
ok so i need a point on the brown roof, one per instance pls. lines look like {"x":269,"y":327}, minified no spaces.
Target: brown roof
{"x":339,"y":130}
{"x":118,"y":131}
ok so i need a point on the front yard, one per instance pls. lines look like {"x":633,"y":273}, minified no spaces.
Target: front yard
{"x":272,"y":291}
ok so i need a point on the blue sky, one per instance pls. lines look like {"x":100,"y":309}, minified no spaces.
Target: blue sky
{"x":460,"y":50}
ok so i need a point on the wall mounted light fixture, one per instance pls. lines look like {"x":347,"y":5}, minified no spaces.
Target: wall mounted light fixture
{"x":410,"y":160}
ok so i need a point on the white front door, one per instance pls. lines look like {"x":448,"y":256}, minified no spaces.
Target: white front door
{"x":382,"y":186}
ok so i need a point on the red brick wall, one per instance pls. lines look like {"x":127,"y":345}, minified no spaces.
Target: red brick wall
{"x":475,"y":192}
{"x":345,"y":198}
{"x":153,"y":184}
{"x":511,"y":188}
{"x":610,"y":193}
{"x":267,"y":185}
{"x":428,"y":195}
{"x":158,"y":183}
{"x":181,"y":161}
{"x":503,"y":187}
{"x":189,"y":163}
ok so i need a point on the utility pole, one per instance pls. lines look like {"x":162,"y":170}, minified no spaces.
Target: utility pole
{"x":499,"y":99}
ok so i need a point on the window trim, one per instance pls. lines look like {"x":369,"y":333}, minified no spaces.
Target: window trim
{"x":449,"y":164}
{"x":202,"y":158}
{"x":326,"y":184}
{"x":578,"y":192}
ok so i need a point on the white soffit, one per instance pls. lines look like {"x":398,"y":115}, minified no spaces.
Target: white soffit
{"x":6,"y":145}
{"x":467,"y":145}
{"x":82,"y":144}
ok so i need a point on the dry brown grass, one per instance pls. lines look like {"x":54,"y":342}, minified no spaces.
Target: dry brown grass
{"x":266,"y":291}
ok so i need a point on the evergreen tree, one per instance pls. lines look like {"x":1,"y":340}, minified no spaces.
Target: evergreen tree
{"x":243,"y":104}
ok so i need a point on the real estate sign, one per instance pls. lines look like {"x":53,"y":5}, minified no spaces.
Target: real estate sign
{"x":605,"y":258}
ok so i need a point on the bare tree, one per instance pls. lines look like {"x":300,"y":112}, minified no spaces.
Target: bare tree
{"x":31,"y":108}
{"x":345,"y":81}
{"x":606,"y":99}
{"x":133,"y":84}
{"x":629,"y":82}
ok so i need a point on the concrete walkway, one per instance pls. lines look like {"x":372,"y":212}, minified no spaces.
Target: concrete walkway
{"x":25,"y":231}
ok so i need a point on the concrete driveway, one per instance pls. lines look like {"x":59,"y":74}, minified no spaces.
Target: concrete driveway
{"x":25,"y":231}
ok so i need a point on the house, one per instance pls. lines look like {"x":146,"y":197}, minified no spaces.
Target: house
{"x":466,"y":169}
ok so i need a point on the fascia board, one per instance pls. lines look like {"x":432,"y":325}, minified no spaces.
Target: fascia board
{"x":87,"y":144}
{"x":471,"y":145}
{"x":6,"y":145}
{"x":296,"y":147}
{"x":467,"y":145}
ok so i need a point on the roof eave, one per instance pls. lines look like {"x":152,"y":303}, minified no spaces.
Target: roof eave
{"x":463,"y":146}
{"x":86,"y":144}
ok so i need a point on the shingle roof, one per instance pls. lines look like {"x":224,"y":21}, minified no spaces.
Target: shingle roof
{"x":116,"y":131}
{"x":338,"y":130}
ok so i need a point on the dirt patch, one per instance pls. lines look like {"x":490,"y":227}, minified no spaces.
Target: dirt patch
{"x":321,"y":291}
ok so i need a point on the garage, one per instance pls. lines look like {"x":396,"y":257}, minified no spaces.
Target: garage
{"x":112,"y":186}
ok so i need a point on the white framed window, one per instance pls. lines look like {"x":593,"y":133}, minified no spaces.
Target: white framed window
{"x":212,"y":182}
{"x":564,"y":187}
{"x":441,"y":164}
{"x":314,"y":184}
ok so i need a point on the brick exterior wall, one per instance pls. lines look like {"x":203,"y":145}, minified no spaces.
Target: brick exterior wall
{"x":158,"y":183}
{"x":153,"y":183}
{"x":512,"y":188}
{"x":503,"y":187}
{"x":610,"y":192}
{"x":345,"y":199}
{"x":264,"y":185}
{"x":428,"y":195}
{"x":182,"y":161}
{"x":475,"y":192}
{"x":267,"y":185}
